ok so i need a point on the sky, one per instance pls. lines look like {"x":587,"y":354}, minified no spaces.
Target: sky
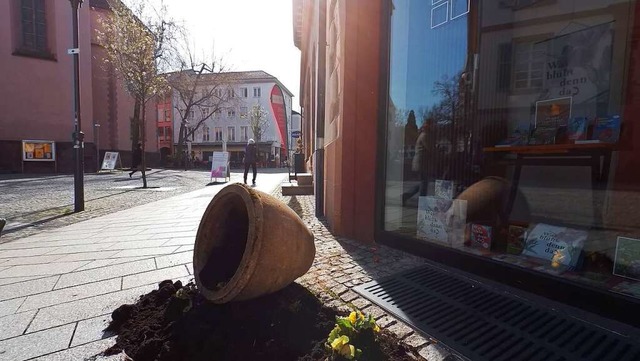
{"x":247,"y":34}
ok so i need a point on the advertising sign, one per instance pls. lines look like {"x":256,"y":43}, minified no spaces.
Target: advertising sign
{"x":577,"y":64}
{"x":109,"y":161}
{"x":280,"y":113}
{"x":219,"y":164}
{"x":39,"y":150}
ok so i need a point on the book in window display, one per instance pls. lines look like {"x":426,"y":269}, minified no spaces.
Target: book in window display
{"x":577,"y":128}
{"x":516,"y":237}
{"x":480,"y":236}
{"x":441,"y":220}
{"x":627,"y":260}
{"x":561,"y":246}
{"x":444,"y":189}
{"x":607,"y":129}
{"x":550,"y":115}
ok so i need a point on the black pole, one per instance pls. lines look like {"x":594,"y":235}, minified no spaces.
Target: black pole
{"x":78,"y":136}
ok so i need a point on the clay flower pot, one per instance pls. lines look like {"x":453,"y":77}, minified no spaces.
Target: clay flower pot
{"x":249,"y":244}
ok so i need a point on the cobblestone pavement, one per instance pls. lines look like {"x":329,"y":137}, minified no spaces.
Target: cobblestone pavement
{"x":36,"y":203}
{"x":342,"y":264}
{"x":58,"y":288}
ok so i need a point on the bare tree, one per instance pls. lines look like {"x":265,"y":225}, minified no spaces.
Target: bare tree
{"x":136,"y":42}
{"x":258,"y":121}
{"x":202,"y":87}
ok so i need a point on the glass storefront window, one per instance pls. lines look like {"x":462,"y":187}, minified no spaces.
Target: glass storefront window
{"x":511,"y":128}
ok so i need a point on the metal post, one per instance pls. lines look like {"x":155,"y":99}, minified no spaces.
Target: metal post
{"x":78,"y":141}
{"x":97,"y":139}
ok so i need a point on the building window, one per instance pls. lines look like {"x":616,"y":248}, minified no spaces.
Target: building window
{"x":256,"y":92}
{"x":244,"y":133}
{"x":190,"y":115}
{"x":231,"y":113}
{"x":243,"y":111}
{"x":244,"y":92}
{"x":205,"y":112}
{"x":205,"y":133}
{"x":167,"y":115}
{"x":217,"y":93}
{"x":449,"y":135}
{"x":231,"y":134}
{"x":217,"y":113}
{"x":218,"y":133}
{"x":33,"y":26}
{"x":528,"y":66}
{"x":231,"y":93}
{"x":167,"y":133}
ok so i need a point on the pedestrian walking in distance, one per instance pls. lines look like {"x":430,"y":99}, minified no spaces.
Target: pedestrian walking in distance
{"x":137,"y":159}
{"x":250,"y":157}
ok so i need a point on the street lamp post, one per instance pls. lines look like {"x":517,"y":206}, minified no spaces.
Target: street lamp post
{"x":78,"y":136}
{"x":97,"y":139}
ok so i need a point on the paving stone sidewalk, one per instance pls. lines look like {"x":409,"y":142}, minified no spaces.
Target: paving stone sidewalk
{"x":57,"y":290}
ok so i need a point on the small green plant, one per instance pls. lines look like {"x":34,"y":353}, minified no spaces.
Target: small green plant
{"x":345,"y":331}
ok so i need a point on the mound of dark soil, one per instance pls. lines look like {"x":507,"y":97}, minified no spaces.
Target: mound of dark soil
{"x":176,"y":323}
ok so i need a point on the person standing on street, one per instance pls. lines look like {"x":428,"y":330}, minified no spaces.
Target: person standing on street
{"x":250,"y":158}
{"x":137,"y":159}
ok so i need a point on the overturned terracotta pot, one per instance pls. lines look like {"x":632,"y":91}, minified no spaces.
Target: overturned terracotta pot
{"x":249,"y":244}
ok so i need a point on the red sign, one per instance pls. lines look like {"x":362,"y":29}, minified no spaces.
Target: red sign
{"x":279,"y":112}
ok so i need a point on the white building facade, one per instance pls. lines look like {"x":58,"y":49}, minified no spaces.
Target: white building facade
{"x":229,"y":128}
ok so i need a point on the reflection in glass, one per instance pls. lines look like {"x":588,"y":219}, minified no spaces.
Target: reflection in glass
{"x":518,"y":109}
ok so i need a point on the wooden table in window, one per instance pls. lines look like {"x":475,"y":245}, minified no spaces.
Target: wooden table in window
{"x":596,"y":155}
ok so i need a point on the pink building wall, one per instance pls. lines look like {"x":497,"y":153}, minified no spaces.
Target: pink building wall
{"x":36,"y":95}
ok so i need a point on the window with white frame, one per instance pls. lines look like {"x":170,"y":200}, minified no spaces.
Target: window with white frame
{"x":218,"y":133}
{"x":231,"y":113}
{"x":231,"y":134}
{"x":244,"y":133}
{"x":205,"y":134}
{"x":256,"y":92}
{"x":217,"y":93}
{"x":244,"y":92}
{"x":243,"y":111}
{"x":231,"y":93}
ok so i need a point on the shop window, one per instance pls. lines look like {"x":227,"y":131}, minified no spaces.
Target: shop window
{"x":512,"y":142}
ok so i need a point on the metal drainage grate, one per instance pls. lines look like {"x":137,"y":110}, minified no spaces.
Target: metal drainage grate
{"x":483,"y":324}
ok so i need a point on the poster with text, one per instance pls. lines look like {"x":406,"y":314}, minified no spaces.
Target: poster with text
{"x":219,"y":164}
{"x":109,"y":160}
{"x":559,"y":245}
{"x":38,"y":150}
{"x":577,"y":64}
{"x":442,"y":220}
